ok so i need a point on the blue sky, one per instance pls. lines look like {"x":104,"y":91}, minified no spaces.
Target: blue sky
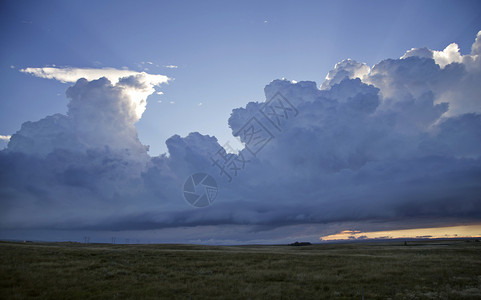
{"x":225,"y":51}
{"x":389,"y":140}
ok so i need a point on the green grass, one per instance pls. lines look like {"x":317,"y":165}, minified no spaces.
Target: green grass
{"x":103,"y":271}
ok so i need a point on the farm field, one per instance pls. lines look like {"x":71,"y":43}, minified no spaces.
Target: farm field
{"x":381,"y":270}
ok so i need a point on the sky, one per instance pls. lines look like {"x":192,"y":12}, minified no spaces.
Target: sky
{"x":369,"y":111}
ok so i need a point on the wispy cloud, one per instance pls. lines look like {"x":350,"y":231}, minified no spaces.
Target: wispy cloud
{"x":171,"y":66}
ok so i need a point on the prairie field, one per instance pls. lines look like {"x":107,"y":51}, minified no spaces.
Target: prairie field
{"x":378,"y":270}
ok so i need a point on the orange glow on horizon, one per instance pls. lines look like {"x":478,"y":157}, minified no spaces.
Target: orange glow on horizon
{"x":461,"y":231}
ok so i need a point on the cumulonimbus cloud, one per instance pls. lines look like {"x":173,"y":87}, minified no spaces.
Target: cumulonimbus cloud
{"x":397,"y":142}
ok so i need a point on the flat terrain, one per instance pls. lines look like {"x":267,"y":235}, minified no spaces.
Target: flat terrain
{"x":434,"y":269}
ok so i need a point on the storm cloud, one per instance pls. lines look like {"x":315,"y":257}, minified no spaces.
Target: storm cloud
{"x":393,"y":144}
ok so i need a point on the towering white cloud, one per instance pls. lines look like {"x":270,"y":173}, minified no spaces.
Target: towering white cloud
{"x":443,"y":58}
{"x":451,"y":54}
{"x":104,"y":105}
{"x":347,"y":68}
{"x":99,"y":115}
{"x":447,"y":75}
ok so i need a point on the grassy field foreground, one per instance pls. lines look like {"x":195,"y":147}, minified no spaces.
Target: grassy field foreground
{"x":447,"y":269}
